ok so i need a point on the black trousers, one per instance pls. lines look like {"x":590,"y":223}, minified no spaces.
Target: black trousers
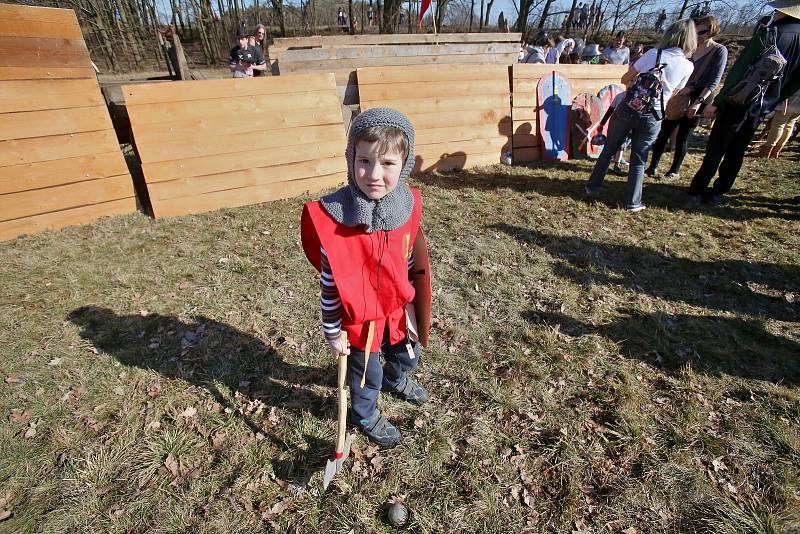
{"x":724,"y":151}
{"x":685,"y":126}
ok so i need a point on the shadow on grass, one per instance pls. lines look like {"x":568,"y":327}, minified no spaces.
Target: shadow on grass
{"x":211,"y":354}
{"x":541,"y":178}
{"x":710,"y":344}
{"x":749,"y":288}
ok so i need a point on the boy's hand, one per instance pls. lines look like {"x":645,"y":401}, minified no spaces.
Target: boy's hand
{"x":338,"y":347}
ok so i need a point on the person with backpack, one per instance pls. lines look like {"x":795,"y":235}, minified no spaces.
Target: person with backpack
{"x":766,"y":73}
{"x":650,"y":82}
{"x":684,"y":109}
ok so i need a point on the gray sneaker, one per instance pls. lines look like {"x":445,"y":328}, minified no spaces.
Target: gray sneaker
{"x":378,"y":429}
{"x":410,"y":390}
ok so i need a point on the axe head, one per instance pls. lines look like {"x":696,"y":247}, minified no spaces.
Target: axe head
{"x":335,"y":465}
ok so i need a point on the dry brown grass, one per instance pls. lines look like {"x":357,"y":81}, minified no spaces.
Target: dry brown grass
{"x":590,"y":370}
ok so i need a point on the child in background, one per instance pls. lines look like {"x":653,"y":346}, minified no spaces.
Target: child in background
{"x":620,"y":156}
{"x":360,"y":239}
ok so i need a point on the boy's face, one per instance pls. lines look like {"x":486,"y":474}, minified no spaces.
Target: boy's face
{"x":376,"y":174}
{"x":243,"y":41}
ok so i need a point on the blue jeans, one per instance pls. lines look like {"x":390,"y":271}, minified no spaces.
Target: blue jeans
{"x":390,"y":376}
{"x":643,"y":130}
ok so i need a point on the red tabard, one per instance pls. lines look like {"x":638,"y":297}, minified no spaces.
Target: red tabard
{"x":370,"y":270}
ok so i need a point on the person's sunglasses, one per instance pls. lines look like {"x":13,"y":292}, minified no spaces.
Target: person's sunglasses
{"x":703,"y":32}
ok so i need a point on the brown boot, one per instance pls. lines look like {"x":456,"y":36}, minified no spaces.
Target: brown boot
{"x":775,"y":152}
{"x":764,"y":151}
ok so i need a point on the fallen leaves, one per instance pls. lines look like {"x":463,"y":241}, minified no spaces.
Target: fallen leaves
{"x":189,"y":412}
{"x":19,"y":416}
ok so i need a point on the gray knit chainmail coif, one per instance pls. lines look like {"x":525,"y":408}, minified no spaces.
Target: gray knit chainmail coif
{"x":351,"y":207}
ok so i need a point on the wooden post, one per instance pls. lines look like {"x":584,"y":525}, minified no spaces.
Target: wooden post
{"x":178,"y":57}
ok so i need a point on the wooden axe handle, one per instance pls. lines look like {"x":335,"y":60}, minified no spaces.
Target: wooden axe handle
{"x":342,"y":399}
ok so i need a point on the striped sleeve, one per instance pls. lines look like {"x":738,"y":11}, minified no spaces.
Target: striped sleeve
{"x":330,"y":302}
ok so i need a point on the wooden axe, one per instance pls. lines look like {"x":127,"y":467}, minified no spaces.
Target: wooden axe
{"x":342,"y":442}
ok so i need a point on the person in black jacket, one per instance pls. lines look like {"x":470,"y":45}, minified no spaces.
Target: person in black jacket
{"x":734,"y":126}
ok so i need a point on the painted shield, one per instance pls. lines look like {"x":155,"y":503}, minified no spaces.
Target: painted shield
{"x":420,"y":313}
{"x":554,"y":93}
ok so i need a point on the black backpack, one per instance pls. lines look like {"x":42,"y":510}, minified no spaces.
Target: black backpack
{"x":647,"y":90}
{"x":750,"y":90}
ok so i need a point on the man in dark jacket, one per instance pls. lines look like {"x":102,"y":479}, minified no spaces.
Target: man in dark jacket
{"x":735,"y":125}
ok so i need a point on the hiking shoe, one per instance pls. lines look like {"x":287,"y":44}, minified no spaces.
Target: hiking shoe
{"x":378,"y":429}
{"x":410,"y":390}
{"x":633,"y":208}
{"x":650,"y":173}
{"x":671,"y":176}
{"x":618,"y":170}
{"x":714,"y":200}
{"x":688,"y":199}
{"x":589,"y":191}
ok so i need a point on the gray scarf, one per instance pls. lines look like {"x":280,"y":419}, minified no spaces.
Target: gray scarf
{"x":351,"y":207}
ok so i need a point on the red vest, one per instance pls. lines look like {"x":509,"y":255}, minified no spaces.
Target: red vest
{"x":370,"y":270}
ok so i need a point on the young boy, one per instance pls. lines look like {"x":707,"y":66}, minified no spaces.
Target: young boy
{"x":361,"y":239}
{"x":244,"y":59}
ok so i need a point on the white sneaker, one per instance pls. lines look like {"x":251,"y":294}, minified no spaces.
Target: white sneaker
{"x":636,"y":208}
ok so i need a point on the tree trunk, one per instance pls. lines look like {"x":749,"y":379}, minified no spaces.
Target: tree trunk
{"x":480,"y":20}
{"x":350,"y":17}
{"x":524,"y":12}
{"x":488,"y":13}
{"x":277,"y":8}
{"x":568,"y":22}
{"x":471,"y":14}
{"x":684,"y":7}
{"x":545,"y":13}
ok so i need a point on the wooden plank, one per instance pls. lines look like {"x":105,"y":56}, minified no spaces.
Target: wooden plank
{"x":372,"y":52}
{"x":296,"y":140}
{"x":45,"y":73}
{"x":19,"y":151}
{"x":460,"y":133}
{"x":254,"y":176}
{"x":38,"y":201}
{"x":526,"y":154}
{"x":466,"y":118}
{"x":334,"y":64}
{"x":28,"y":176}
{"x":436,"y":88}
{"x":246,"y":108}
{"x":68,"y":217}
{"x":521,"y":140}
{"x":524,"y":114}
{"x":216,"y":164}
{"x":243,"y":196}
{"x":523,"y":71}
{"x":152,"y":93}
{"x":28,"y":124}
{"x":454,"y":161}
{"x":148,"y":135}
{"x":412,"y":106}
{"x":38,"y":95}
{"x":461,"y":73}
{"x":479,"y":146}
{"x":390,"y":39}
{"x":26,"y":27}
{"x":48,"y":15}
{"x":43,"y":52}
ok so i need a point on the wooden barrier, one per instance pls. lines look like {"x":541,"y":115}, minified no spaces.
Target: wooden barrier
{"x":318,"y":41}
{"x":525,"y":77}
{"x":461,"y":114}
{"x":344,"y":55}
{"x":210,"y":144}
{"x":60,"y":163}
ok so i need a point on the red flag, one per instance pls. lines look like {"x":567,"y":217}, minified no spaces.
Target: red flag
{"x":423,"y":8}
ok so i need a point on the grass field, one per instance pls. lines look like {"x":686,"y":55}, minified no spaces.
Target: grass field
{"x":590,"y":370}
